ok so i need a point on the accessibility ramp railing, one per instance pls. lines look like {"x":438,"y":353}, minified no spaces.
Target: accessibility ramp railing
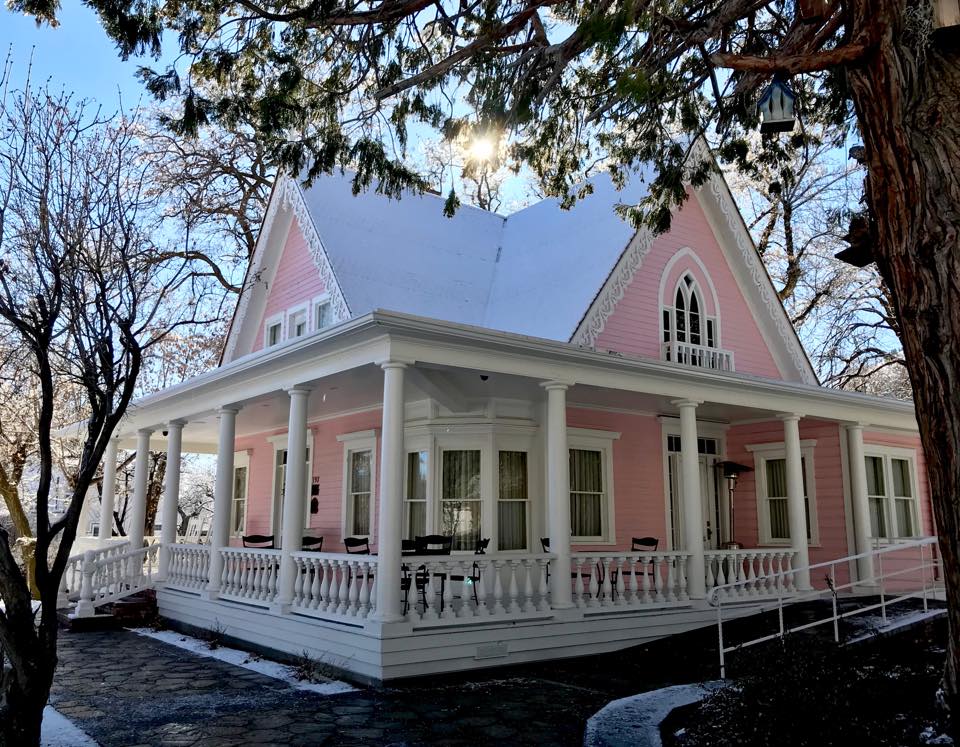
{"x":896,"y":572}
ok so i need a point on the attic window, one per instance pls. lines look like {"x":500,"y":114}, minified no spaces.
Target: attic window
{"x":274,"y":331}
{"x":323,"y":314}
{"x":689,"y":335}
{"x":298,"y":323}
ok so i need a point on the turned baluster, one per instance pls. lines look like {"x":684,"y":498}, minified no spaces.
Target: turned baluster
{"x":658,"y":577}
{"x":447,"y":612}
{"x":482,"y":588}
{"x":633,"y":587}
{"x":365,"y":591}
{"x":594,"y":585}
{"x":430,"y":594}
{"x":671,"y":580}
{"x":354,"y":588}
{"x":751,"y":575}
{"x":606,"y":591}
{"x":465,"y":570}
{"x":578,"y":583}
{"x":646,"y":566}
{"x":298,"y":582}
{"x":512,"y":589}
{"x":316,"y":568}
{"x":344,"y":591}
{"x":681,"y":563}
{"x":620,"y":588}
{"x":498,"y":608}
{"x":528,"y":567}
{"x":543,"y":567}
{"x":326,"y":576}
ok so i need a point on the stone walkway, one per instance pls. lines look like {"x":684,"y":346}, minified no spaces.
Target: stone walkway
{"x":124,"y":689}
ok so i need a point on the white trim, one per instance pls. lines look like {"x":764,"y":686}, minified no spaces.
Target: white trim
{"x":591,"y":440}
{"x":682,"y":253}
{"x":886,"y":454}
{"x":359,"y":441}
{"x":778,"y":446}
{"x":778,"y":451}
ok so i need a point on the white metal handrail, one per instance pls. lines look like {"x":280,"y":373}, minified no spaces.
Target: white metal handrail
{"x":788,"y":594}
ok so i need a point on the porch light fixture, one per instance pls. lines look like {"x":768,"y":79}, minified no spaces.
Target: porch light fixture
{"x":731,"y":471}
{"x":776,"y":107}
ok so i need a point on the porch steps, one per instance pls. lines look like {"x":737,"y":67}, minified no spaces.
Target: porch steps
{"x":133,"y":611}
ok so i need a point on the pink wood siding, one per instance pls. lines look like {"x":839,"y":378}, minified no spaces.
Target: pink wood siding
{"x":633,"y":327}
{"x":637,"y":474}
{"x":828,"y":478}
{"x":297,"y":280}
{"x":327,"y":469}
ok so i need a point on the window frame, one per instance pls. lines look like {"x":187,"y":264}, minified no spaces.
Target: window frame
{"x":602,"y":441}
{"x":352,"y":443}
{"x":291,"y":314}
{"x":669,"y":311}
{"x":315,"y":305}
{"x":277,"y":320}
{"x":777,"y":450}
{"x":279,"y":443}
{"x":241,"y":460}
{"x":416,"y":446}
{"x":522,"y":445}
{"x":887,"y":454}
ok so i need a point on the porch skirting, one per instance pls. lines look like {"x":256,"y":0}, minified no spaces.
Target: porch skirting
{"x":375,"y":652}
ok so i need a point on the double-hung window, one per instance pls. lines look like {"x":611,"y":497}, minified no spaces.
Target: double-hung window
{"x":322,"y":312}
{"x":238,"y":512}
{"x":358,"y":492}
{"x":892,"y":496}
{"x":415,"y":498}
{"x":512,"y":501}
{"x":587,"y":493}
{"x":460,"y":497}
{"x":773,"y":505}
{"x":273,"y":331}
{"x":297,"y":323}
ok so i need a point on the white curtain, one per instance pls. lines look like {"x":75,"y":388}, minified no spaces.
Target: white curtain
{"x":416,"y":519}
{"x":586,"y":493}
{"x":360,"y":492}
{"x":460,"y":504}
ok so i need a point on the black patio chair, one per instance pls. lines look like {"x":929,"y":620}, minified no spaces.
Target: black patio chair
{"x":313,"y":544}
{"x":637,"y":544}
{"x":434,"y":544}
{"x":259,"y":541}
{"x":357,"y":545}
{"x":478,"y":549}
{"x":545,"y":544}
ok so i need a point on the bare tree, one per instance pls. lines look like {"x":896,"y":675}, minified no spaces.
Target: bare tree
{"x":82,"y":293}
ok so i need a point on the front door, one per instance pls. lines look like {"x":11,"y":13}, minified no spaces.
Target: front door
{"x":713,"y":524}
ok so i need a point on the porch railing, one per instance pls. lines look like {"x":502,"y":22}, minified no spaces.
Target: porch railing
{"x":111,"y":577}
{"x":334,"y":585}
{"x":628,"y":579}
{"x":189,"y":568}
{"x":698,"y":355}
{"x":250,"y":575}
{"x":746,"y":573}
{"x":72,"y":578}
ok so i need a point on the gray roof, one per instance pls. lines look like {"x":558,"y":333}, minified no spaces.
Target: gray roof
{"x":534,"y":272}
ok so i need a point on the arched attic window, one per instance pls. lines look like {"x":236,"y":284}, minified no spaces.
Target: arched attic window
{"x":690,"y":335}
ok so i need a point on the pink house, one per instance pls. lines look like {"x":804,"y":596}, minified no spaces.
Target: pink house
{"x":532,"y":423}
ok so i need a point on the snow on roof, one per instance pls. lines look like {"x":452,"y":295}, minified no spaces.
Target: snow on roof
{"x":534,"y":272}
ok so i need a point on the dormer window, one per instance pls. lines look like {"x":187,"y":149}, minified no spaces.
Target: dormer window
{"x":274,"y":333}
{"x":297,"y":323}
{"x":691,"y":334}
{"x":322,"y":313}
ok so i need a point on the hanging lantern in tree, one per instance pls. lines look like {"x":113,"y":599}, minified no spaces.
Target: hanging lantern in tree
{"x":946,"y":13}
{"x":813,"y":11}
{"x":776,"y":107}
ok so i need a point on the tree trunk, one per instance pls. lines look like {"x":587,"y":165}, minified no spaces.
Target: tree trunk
{"x":907,"y":96}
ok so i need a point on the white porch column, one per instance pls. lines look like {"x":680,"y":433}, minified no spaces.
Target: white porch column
{"x":558,"y":494}
{"x":108,"y":497}
{"x":141,"y":474}
{"x":390,"y":525}
{"x":692,"y":498}
{"x":294,"y":495}
{"x":796,"y":505}
{"x":859,"y":501}
{"x":171,"y":496}
{"x":222,"y":496}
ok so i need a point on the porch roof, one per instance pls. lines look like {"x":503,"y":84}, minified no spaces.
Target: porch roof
{"x":358,"y":345}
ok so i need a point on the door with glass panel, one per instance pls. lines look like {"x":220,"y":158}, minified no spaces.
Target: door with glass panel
{"x":279,"y":488}
{"x":711,"y":505}
{"x":460,"y":497}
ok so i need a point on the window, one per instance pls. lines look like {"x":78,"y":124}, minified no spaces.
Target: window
{"x":415,"y":499}
{"x":274,"y":333}
{"x":586,"y":493}
{"x":297,"y":323}
{"x":460,"y":502}
{"x":322,"y":314}
{"x":891,"y":495}
{"x":686,"y":321}
{"x":512,"y":501}
{"x":774,"y":513}
{"x":238,"y":509}
{"x":280,"y":481}
{"x":358,"y":493}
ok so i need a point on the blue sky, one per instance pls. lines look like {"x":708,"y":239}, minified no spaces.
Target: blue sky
{"x":77,"y":56}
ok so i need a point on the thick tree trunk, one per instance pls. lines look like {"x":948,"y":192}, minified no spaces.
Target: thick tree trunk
{"x":907,"y":96}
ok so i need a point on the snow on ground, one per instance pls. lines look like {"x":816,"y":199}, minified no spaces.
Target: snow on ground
{"x":635,"y":721}
{"x":872,"y":625}
{"x":59,"y":731}
{"x":243,"y":659}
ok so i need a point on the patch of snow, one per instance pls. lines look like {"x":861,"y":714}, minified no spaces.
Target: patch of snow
{"x":35,"y":604}
{"x":896,"y":623}
{"x":245,"y":660}
{"x":930,"y":736}
{"x":59,"y":731}
{"x":635,"y":721}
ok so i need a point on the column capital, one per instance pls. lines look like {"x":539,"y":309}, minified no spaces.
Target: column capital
{"x":394,"y":363}
{"x":228,"y":410}
{"x":556,"y":384}
{"x":789,"y":416}
{"x":855,"y":426}
{"x":681,"y":403}
{"x":145,"y":432}
{"x":298,"y":390}
{"x":176,"y":424}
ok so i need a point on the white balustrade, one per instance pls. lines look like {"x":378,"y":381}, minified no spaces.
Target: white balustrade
{"x":628,"y":579}
{"x":334,"y":585}
{"x":107,"y":577}
{"x":442,"y":589}
{"x":249,"y":575}
{"x":756,"y":573}
{"x":700,"y":356}
{"x":189,"y":567}
{"x":71,"y":580}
